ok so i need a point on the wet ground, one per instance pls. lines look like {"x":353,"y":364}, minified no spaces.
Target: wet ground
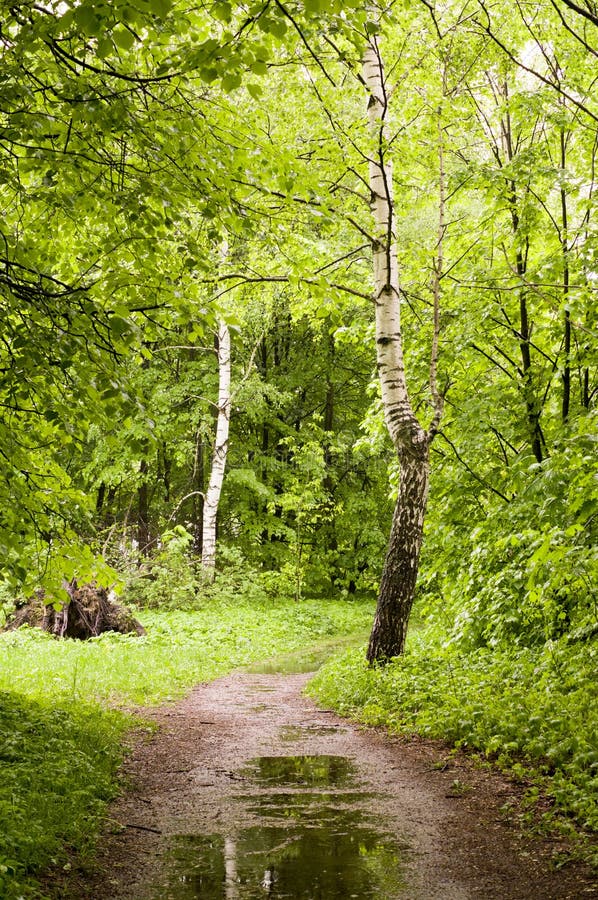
{"x":249,"y":791}
{"x":315,"y":835}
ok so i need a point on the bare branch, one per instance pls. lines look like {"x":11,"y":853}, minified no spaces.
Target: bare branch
{"x":437,"y":397}
{"x":554,"y":85}
{"x":477,"y":477}
{"x":304,"y":40}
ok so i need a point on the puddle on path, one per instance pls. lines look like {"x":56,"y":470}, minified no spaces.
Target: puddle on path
{"x":300,"y":770}
{"x":308,"y":659}
{"x":313,"y":839}
{"x":293,"y":664}
{"x":326,"y":861}
{"x":311,"y":807}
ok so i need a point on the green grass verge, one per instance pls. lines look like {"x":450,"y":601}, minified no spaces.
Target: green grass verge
{"x":531,"y":710}
{"x":58,"y":767}
{"x":60,"y":746}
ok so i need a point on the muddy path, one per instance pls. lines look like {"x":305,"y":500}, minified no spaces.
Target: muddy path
{"x":248,"y":790}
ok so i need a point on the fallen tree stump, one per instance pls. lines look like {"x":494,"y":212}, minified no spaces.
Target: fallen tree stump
{"x":90,"y":611}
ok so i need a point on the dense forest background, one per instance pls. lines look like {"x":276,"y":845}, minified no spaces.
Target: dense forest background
{"x":166,"y":170}
{"x":189,"y":240}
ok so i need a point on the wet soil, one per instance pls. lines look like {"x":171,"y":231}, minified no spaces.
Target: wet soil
{"x":248,"y":790}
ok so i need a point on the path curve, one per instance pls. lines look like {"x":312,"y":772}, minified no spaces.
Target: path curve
{"x":188,"y":778}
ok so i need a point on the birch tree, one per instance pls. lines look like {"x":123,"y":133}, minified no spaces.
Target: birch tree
{"x":219,"y":453}
{"x":410,"y":438}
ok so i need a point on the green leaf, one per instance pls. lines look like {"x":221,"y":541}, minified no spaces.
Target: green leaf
{"x":105,"y":47}
{"x":119,"y":326}
{"x":209,"y":74}
{"x":222,"y":11}
{"x":123,"y":38}
{"x":231,"y":82}
{"x":255,"y":90}
{"x":87,"y":20}
{"x":278,"y":27}
{"x":259,"y":67}
{"x":161,"y":8}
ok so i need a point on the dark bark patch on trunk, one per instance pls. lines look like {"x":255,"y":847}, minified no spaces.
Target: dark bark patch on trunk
{"x":399,"y":576}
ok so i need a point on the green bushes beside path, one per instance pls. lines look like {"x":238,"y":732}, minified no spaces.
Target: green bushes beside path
{"x":58,"y":762}
{"x":61,"y":738}
{"x":531,"y":709}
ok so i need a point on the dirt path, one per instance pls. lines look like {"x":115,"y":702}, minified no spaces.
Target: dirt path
{"x":211,"y":814}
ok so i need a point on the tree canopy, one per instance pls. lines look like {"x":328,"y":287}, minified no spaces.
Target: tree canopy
{"x":453,"y":173}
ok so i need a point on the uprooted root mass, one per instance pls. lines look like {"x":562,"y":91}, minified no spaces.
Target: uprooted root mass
{"x":90,"y":611}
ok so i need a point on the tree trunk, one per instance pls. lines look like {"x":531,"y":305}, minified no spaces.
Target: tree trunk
{"x":529,"y":391}
{"x":399,"y":576}
{"x":198,"y":487}
{"x":143,"y":528}
{"x":212,"y":499}
{"x":411,"y":441}
{"x":565,"y":248}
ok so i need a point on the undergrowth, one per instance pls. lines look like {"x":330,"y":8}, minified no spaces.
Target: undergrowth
{"x":60,"y":749}
{"x":531,"y":710}
{"x":58,"y":772}
{"x":180,"y":649}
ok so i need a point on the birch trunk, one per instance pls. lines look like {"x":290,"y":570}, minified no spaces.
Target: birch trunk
{"x":212,"y":498}
{"x":399,"y":575}
{"x":411,"y":441}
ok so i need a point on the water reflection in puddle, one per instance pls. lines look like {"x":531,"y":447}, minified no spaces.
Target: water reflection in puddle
{"x":310,"y":807}
{"x":300,"y":770}
{"x":314,"y":840}
{"x":292,"y":664}
{"x":326,"y":861}
{"x":307,"y":659}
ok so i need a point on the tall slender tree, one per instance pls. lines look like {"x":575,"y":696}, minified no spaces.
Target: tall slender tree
{"x":410,"y":438}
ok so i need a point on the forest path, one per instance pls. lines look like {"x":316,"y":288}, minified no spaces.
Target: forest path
{"x":339,"y":812}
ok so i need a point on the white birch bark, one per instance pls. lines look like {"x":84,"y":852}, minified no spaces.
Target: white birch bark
{"x":400,"y":419}
{"x":411,"y":440}
{"x":212,"y":497}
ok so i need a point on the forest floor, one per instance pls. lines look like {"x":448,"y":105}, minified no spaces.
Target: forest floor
{"x":246,"y":789}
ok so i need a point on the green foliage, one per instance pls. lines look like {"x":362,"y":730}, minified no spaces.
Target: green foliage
{"x":180,"y":648}
{"x":58,"y":764}
{"x":532,"y":710}
{"x":521,"y":569}
{"x":59,"y":750}
{"x":168,"y":580}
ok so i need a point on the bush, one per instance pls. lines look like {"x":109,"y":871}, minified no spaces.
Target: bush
{"x":519,"y":570}
{"x":58,"y":771}
{"x":532,"y":709}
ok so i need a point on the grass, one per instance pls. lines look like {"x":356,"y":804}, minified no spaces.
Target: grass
{"x":61,"y":733}
{"x":58,"y":773}
{"x":531,"y":710}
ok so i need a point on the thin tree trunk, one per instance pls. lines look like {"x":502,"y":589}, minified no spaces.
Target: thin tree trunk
{"x":411,"y":441}
{"x":100,"y":498}
{"x":399,"y":576}
{"x":143,"y":529}
{"x":565,"y":248}
{"x":532,"y":404}
{"x":328,"y":423}
{"x":197,"y":483}
{"x":212,"y":498}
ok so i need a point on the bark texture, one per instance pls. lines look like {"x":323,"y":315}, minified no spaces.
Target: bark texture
{"x":411,"y":440}
{"x":212,"y":498}
{"x":399,"y":576}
